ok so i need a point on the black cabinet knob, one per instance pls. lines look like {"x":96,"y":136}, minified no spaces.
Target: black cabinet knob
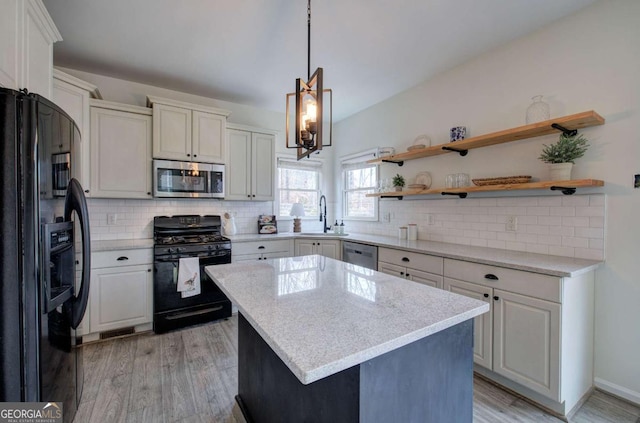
{"x":408,"y":275}
{"x":195,"y":155}
{"x":148,"y":270}
{"x":87,"y":191}
{"x":188,"y":155}
{"x":486,"y":295}
{"x":496,"y":298}
{"x":253,"y":195}
{"x":401,"y":273}
{"x":491,"y":276}
{"x":148,"y":193}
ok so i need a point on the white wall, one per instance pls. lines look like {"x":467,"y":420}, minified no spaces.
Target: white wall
{"x":588,"y":61}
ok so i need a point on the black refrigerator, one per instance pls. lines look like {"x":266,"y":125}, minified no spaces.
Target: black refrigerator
{"x":44,"y":235}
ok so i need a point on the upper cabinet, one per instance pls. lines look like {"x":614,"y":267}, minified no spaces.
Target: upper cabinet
{"x":73,"y":94}
{"x":120,"y":150}
{"x":251,"y":164}
{"x":27,"y":34}
{"x":188,"y":132}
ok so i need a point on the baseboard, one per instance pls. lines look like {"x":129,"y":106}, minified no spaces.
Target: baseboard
{"x":617,"y":390}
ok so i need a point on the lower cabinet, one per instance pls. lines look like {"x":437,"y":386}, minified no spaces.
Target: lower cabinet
{"x":121,"y":289}
{"x":324,"y":247}
{"x":422,"y":268}
{"x":260,"y":250}
{"x":538,"y":333}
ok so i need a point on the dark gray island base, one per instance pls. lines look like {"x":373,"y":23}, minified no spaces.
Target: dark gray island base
{"x":428,"y":380}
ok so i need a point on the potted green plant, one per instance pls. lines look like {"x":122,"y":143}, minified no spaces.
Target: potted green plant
{"x":561,"y":156}
{"x":398,"y":182}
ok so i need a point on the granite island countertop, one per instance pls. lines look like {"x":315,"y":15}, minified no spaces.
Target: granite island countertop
{"x":321,"y":316}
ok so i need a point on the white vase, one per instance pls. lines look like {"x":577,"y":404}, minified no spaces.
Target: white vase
{"x":538,"y":111}
{"x":560,"y":171}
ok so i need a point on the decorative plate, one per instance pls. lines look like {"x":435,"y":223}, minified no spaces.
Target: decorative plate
{"x":423,"y":178}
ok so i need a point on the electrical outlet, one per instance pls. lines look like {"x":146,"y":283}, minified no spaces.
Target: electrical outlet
{"x":431,"y":220}
{"x":386,"y":217}
{"x":112,"y":218}
{"x":511,"y":224}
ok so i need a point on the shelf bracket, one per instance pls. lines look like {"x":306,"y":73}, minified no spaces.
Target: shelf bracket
{"x":398,"y":162}
{"x":565,"y":190}
{"x":457,"y":150}
{"x":459,"y":194}
{"x":565,"y":131}
{"x":399,"y":197}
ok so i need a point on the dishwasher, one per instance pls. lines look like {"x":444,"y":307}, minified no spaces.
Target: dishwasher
{"x":360,"y":254}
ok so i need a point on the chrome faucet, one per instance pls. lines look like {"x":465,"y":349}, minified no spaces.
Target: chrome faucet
{"x":323,"y":215}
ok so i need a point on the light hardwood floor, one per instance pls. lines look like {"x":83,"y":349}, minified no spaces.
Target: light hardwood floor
{"x":190,"y":376}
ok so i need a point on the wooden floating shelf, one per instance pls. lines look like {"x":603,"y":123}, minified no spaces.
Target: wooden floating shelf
{"x":577,"y":121}
{"x":568,"y":186}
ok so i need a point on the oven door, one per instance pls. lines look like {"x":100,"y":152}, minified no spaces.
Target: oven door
{"x":171,"y":311}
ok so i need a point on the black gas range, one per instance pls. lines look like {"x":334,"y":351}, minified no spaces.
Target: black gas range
{"x":185,"y":236}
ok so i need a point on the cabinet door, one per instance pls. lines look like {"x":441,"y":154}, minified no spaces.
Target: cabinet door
{"x":121,"y":297}
{"x":75,"y":101}
{"x":171,"y":132}
{"x":482,"y":325}
{"x":38,"y":51}
{"x":391,"y":269}
{"x":424,"y":277}
{"x":329,"y":248}
{"x":208,"y":137}
{"x":10,"y":43}
{"x":120,"y":154}
{"x":527,"y":341}
{"x":304,"y":247}
{"x":238,"y":171}
{"x":262,"y":178}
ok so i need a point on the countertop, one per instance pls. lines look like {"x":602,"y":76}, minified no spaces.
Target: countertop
{"x":322,"y":316}
{"x":519,"y":260}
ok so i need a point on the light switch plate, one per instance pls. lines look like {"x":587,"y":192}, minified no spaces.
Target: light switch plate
{"x":112,"y":218}
{"x":511,"y":224}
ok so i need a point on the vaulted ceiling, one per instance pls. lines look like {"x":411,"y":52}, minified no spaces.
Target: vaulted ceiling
{"x":251,"y":51}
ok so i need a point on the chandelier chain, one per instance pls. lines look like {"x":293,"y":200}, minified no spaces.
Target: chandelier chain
{"x":308,"y":40}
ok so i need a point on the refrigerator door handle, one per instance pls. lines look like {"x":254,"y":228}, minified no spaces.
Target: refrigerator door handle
{"x":76,"y":201}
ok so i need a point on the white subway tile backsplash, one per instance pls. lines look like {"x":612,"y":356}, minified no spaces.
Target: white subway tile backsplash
{"x":557,"y":225}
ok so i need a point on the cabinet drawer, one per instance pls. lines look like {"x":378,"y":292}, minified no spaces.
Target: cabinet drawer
{"x":424,"y":262}
{"x":116,"y":258}
{"x":517,"y":281}
{"x":257,"y":247}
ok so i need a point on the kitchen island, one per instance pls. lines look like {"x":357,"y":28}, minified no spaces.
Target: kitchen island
{"x":323,"y":340}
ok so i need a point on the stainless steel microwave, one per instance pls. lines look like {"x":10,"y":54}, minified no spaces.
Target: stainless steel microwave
{"x":187,"y":179}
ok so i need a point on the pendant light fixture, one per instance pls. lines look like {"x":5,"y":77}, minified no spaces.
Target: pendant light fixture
{"x":311,"y":98}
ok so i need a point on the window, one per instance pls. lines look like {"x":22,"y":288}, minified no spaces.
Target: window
{"x":359,"y":179}
{"x":298,"y":182}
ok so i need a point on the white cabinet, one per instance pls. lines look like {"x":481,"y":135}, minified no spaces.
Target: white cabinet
{"x":422,"y":268}
{"x":27,"y":34}
{"x":325,"y":247}
{"x":73,"y":94}
{"x":538,"y":333}
{"x":121,"y":289}
{"x":261,"y":250}
{"x":250,"y":164}
{"x":120,"y":151}
{"x":188,"y":132}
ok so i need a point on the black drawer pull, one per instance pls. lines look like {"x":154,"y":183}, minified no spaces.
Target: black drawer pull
{"x":405,"y":259}
{"x":491,"y":276}
{"x":402,"y":273}
{"x":123,"y":258}
{"x":261,"y":247}
{"x":496,"y":298}
{"x":486,"y":295}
